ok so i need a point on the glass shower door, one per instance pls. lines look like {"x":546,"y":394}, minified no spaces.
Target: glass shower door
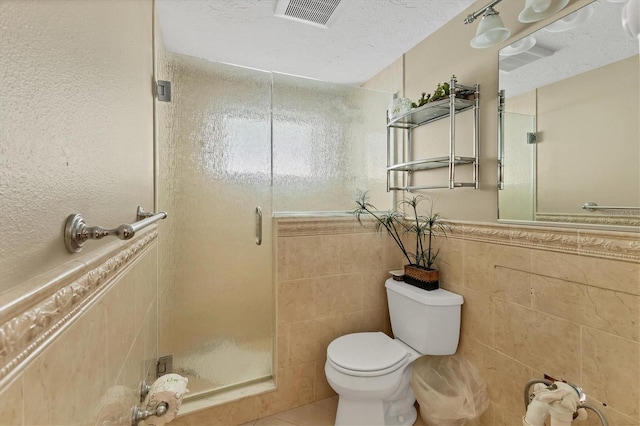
{"x":516,"y":201}
{"x":329,"y":141}
{"x":216,"y":294}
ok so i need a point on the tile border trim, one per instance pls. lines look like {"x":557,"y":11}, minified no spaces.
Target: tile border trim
{"x":596,"y":243}
{"x":28,"y":333}
{"x":627,"y":218}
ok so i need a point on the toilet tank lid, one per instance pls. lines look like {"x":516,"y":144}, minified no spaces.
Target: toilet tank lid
{"x":439,"y":297}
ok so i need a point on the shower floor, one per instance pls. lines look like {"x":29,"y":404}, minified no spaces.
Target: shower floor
{"x":223,"y":364}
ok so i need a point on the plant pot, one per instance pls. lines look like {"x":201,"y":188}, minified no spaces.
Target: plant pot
{"x":426,"y":279}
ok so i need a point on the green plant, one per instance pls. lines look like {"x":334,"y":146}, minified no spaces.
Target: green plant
{"x":442,"y":91}
{"x":397,"y":224}
{"x":423,"y":100}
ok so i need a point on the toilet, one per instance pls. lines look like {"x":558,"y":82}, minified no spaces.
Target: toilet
{"x":371,"y":372}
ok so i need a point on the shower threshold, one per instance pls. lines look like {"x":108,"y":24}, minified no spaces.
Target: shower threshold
{"x":204,"y":400}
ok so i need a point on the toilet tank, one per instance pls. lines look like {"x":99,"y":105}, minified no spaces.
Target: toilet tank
{"x":428,"y":321}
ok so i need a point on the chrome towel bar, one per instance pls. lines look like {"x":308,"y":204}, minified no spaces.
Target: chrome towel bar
{"x":76,"y":231}
{"x":591,"y":206}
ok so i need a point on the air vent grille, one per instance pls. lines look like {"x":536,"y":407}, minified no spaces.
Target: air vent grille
{"x":317,"y":12}
{"x":513,"y":62}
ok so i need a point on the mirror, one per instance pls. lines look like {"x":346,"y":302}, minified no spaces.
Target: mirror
{"x":569,"y":122}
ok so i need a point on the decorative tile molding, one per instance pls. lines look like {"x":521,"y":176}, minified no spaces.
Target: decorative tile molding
{"x":620,"y":247}
{"x":29,"y":332}
{"x":597,"y":243}
{"x":613,"y":217}
{"x":605,"y":244}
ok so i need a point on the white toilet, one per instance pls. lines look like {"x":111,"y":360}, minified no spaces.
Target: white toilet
{"x":371,"y":372}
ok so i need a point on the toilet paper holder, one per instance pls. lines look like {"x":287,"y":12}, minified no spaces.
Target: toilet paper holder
{"x":138,"y":414}
{"x":160,"y":401}
{"x":144,"y":390}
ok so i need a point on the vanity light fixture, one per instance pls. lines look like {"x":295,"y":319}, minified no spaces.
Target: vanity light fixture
{"x":571,"y":21}
{"x":631,"y":18}
{"x":492,"y":31}
{"x":537,"y":10}
{"x":518,"y":47}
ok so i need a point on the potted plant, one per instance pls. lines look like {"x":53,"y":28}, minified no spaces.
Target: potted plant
{"x":420,"y":270}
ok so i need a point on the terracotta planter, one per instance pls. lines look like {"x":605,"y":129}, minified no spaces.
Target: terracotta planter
{"x":426,"y":279}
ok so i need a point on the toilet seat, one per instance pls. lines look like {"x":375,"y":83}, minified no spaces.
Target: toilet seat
{"x":366,"y":354}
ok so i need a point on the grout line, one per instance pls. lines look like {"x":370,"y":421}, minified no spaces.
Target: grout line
{"x":566,"y":280}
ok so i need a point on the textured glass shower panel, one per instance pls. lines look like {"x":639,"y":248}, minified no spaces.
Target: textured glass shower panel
{"x":516,"y":200}
{"x":216,"y":295}
{"x":329,"y":142}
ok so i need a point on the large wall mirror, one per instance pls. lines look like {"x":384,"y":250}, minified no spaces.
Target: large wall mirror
{"x":569,"y":122}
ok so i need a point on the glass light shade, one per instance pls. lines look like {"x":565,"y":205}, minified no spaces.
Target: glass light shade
{"x":540,"y":6}
{"x":519,"y":46}
{"x":631,"y":18}
{"x":536,"y":10}
{"x":491,"y":31}
{"x":571,"y":21}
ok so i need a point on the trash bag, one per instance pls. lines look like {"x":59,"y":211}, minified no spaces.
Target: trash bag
{"x":449,"y":390}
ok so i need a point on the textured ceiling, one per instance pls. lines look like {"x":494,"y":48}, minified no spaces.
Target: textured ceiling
{"x":365,"y":36}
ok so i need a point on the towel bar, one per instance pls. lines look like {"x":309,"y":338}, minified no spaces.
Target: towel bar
{"x":592,"y":207}
{"x":76,"y":232}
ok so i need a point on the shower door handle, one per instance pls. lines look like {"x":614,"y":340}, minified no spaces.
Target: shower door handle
{"x":258,"y":226}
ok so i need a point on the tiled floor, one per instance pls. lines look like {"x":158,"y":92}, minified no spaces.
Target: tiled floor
{"x":321,"y":413}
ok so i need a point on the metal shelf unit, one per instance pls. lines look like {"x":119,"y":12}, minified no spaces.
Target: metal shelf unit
{"x":462,"y":98}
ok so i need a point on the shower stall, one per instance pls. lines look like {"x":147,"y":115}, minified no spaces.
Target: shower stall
{"x":234,"y":146}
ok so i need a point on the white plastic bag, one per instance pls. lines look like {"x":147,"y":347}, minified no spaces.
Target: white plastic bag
{"x":449,"y":390}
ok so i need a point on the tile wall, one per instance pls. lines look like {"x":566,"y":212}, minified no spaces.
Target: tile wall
{"x":91,"y":372}
{"x":531,"y":311}
{"x":537,"y":300}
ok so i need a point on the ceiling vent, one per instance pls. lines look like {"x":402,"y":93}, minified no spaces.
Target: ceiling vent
{"x":320,"y":13}
{"x":513,"y":62}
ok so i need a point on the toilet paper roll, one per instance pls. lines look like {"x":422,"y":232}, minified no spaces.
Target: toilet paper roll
{"x":168,"y":389}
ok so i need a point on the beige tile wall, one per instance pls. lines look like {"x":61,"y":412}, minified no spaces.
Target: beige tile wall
{"x":92,"y":370}
{"x":553,"y":301}
{"x":318,"y":304}
{"x":530,"y":311}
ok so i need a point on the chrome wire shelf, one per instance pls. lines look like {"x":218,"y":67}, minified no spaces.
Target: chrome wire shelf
{"x":401,"y":163}
{"x":429,"y":113}
{"x":429,"y":163}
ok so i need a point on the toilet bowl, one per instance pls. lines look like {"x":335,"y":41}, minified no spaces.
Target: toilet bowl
{"x":371,"y":372}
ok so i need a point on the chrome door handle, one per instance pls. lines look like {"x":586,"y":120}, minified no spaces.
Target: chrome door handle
{"x":258,"y":226}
